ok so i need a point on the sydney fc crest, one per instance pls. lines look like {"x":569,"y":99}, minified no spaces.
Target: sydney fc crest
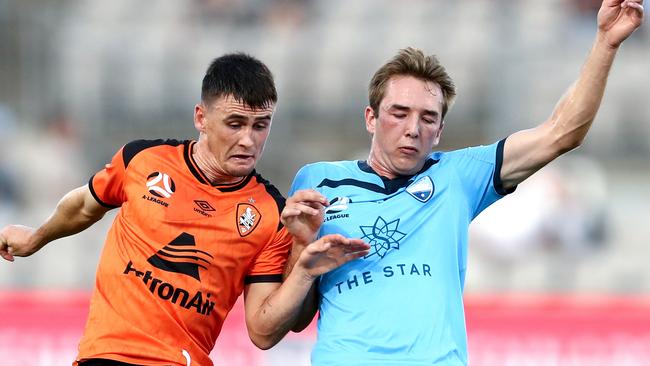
{"x":422,"y":189}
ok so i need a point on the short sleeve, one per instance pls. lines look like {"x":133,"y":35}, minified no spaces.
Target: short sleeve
{"x":269,"y":264}
{"x":301,"y":180}
{"x":107,"y":185}
{"x":479,"y":170}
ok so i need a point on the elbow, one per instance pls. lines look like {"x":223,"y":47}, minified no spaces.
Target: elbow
{"x":299,"y":328}
{"x":264,"y":337}
{"x":568,"y":143}
{"x":569,"y":133}
{"x":564,"y":141}
{"x":263,"y":342}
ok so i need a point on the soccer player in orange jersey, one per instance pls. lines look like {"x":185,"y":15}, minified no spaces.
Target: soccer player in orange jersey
{"x":197,"y":225}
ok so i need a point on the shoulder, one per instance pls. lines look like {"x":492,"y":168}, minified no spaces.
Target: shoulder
{"x":329,"y":167}
{"x":482,"y":153}
{"x":272,"y":191}
{"x":133,"y":148}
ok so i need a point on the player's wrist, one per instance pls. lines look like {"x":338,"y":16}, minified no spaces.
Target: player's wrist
{"x":604,"y":41}
{"x":300,"y":242}
{"x":303,"y":274}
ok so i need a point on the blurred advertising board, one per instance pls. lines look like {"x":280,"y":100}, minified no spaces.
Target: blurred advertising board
{"x":42,"y":328}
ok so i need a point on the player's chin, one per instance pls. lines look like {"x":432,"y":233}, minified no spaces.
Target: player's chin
{"x":241,"y":170}
{"x":409,"y":168}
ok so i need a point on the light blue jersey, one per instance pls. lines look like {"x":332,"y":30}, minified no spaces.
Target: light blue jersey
{"x":402,"y":303}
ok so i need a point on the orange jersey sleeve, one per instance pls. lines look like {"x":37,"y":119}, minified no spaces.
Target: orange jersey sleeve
{"x":271,"y":261}
{"x":107,"y":185}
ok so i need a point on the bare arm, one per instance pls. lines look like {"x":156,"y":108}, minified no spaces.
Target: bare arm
{"x":303,"y":216}
{"x":527,"y":151}
{"x":273,"y":309}
{"x":76,"y":211}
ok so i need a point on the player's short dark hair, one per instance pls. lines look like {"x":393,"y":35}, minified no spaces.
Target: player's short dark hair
{"x":411,"y":62}
{"x":244,"y":77}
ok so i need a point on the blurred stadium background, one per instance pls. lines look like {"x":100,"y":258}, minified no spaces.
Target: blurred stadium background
{"x":569,"y":250}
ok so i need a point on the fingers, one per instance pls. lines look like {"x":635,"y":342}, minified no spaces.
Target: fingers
{"x":304,"y":202}
{"x":297,"y":209}
{"x":6,"y":256}
{"x":310,"y":197}
{"x":4,"y":249}
{"x":634,"y":4}
{"x":348,"y":245}
{"x":15,"y":242}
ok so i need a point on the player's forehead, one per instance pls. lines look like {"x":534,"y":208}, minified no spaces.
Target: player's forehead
{"x":409,"y":91}
{"x":228,"y":104}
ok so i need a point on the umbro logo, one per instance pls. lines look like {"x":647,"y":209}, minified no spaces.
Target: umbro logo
{"x":204,"y":205}
{"x":203,"y":208}
{"x":181,"y":256}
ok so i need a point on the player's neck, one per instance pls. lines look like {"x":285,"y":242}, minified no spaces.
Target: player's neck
{"x":378,"y":167}
{"x":209,"y":166}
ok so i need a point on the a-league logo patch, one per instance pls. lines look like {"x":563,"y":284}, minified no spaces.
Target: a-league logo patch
{"x":248,"y":216}
{"x":160,"y":185}
{"x":338,"y":204}
{"x":422,"y":189}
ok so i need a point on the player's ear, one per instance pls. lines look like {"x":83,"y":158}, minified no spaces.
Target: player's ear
{"x":371,"y":119}
{"x":199,"y":117}
{"x":439,"y":133}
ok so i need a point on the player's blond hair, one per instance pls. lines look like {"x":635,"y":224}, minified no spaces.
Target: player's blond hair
{"x":412,"y":62}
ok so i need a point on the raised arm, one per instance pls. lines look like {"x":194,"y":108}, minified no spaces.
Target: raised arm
{"x":527,"y":151}
{"x":76,"y":211}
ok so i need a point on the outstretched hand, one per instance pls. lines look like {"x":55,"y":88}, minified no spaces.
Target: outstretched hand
{"x":15,"y":240}
{"x":303,"y":214}
{"x":617,"y":19}
{"x":330,"y":252}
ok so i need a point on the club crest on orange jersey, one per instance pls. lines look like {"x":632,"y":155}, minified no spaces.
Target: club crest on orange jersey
{"x":248,"y":216}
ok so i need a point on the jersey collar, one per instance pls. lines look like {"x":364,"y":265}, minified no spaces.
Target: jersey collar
{"x":198,"y":174}
{"x":399,"y":181}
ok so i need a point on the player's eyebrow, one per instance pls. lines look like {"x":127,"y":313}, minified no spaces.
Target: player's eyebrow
{"x":264,"y":117}
{"x":399,"y":107}
{"x":404,"y":108}
{"x":239,"y":116}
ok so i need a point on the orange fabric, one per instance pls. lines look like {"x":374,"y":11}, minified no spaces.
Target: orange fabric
{"x":177,"y":255}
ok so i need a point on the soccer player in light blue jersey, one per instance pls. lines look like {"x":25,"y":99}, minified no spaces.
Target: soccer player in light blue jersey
{"x":402,"y":303}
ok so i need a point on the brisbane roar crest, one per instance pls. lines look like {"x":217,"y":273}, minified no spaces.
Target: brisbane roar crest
{"x":248,"y":216}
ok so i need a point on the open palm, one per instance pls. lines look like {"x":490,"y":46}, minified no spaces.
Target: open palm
{"x":330,"y":252}
{"x":617,"y":19}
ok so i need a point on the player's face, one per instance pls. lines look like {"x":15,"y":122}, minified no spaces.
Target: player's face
{"x":235,"y":134}
{"x":407,"y":128}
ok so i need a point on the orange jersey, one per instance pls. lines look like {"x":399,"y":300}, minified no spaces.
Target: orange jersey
{"x":177,"y":256}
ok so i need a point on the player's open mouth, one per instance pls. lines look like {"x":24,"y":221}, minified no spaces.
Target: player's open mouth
{"x":242,"y":157}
